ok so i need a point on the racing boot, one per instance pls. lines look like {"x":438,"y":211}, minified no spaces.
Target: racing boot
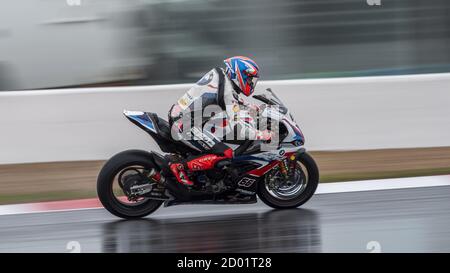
{"x":180,"y":174}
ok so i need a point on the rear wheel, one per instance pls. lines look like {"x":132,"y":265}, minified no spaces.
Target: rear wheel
{"x":118,"y":175}
{"x":280,"y":194}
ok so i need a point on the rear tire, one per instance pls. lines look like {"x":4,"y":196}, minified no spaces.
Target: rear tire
{"x":107,"y":178}
{"x":311,"y":185}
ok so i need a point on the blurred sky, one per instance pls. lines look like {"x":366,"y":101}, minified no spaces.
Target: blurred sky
{"x":58,"y":43}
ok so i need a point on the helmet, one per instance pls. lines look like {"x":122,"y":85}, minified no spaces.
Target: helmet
{"x":243,"y":72}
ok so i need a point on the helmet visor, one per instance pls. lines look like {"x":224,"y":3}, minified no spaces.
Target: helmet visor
{"x":252,"y":81}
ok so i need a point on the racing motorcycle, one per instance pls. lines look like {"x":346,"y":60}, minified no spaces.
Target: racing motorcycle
{"x":135,"y":183}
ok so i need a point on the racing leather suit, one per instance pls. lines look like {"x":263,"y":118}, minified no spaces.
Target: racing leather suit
{"x":215,"y":91}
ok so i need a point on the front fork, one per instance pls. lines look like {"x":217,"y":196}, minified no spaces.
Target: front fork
{"x":289,"y":164}
{"x":284,"y":168}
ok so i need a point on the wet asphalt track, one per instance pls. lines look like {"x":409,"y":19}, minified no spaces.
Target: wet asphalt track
{"x":403,"y":220}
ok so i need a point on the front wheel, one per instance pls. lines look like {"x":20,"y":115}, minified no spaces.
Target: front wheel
{"x":280,"y":194}
{"x":124,"y":170}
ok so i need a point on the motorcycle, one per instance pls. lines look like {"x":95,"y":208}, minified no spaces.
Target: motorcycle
{"x":135,"y":183}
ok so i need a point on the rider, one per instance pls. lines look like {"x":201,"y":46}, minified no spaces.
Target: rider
{"x":223,"y":88}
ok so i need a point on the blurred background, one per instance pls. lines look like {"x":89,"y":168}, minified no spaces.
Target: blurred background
{"x":66,"y":43}
{"x":53,"y":143}
{"x":356,"y":129}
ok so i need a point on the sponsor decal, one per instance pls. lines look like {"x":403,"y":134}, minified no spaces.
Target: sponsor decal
{"x":185,"y":101}
{"x":206,"y":158}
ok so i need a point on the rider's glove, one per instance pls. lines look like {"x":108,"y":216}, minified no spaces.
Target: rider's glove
{"x":265,"y":135}
{"x":253,"y":108}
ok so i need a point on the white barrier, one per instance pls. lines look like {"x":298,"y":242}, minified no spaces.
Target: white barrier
{"x":334,"y":114}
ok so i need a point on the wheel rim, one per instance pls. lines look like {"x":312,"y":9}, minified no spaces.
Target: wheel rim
{"x":287,"y":190}
{"x":118,"y":191}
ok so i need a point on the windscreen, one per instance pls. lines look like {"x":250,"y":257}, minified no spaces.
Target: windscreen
{"x":269,"y":97}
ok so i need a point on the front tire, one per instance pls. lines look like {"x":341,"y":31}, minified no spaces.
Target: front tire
{"x":106,"y":180}
{"x":284,"y":202}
